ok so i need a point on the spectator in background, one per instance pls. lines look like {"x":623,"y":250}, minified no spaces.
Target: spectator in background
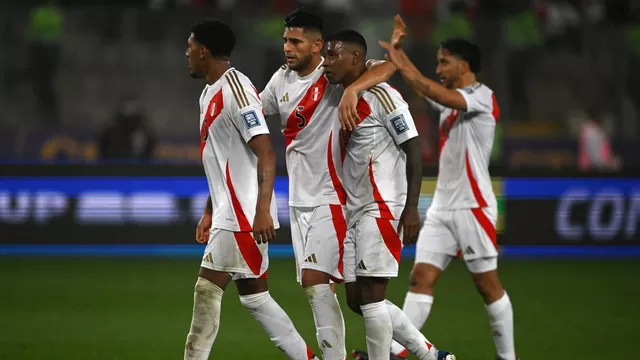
{"x":523,"y":39}
{"x":632,"y":40}
{"x":46,"y":26}
{"x":129,"y":136}
{"x":452,"y":24}
{"x":595,"y":151}
{"x":563,"y":26}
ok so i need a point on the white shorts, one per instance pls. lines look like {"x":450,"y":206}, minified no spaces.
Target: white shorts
{"x":236,"y":253}
{"x":372,"y":249}
{"x":317,"y":235}
{"x":471,"y":233}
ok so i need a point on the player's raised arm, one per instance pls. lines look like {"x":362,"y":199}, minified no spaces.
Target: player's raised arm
{"x":378,"y":71}
{"x":422,"y":85}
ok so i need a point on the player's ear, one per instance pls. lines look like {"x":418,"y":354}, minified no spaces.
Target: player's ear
{"x":203,"y":52}
{"x":356,"y":57}
{"x":318,"y":44}
{"x":464,"y":67}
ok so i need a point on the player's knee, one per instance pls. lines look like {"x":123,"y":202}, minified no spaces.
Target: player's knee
{"x":488,"y":285}
{"x":314,"y":277}
{"x":352,"y":298}
{"x":354,"y":305}
{"x":423,"y":279}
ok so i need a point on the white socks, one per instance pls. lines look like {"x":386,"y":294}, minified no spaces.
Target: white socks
{"x":329,"y":321}
{"x":205,"y":322}
{"x":378,"y":330}
{"x":416,"y":307}
{"x":501,"y":321}
{"x":277,"y":325}
{"x":409,"y":336}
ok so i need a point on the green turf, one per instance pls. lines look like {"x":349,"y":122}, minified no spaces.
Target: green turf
{"x":54,"y":308}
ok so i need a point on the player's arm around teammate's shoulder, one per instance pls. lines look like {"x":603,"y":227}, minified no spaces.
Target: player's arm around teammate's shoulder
{"x":420,"y":84}
{"x":378,"y":72}
{"x":268,"y":96}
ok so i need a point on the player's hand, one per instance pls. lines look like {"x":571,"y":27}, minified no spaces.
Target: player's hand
{"x":399,"y":32}
{"x":263,"y":230}
{"x":393,"y":55}
{"x":409,"y":224}
{"x":347,"y":110}
{"x":203,"y":228}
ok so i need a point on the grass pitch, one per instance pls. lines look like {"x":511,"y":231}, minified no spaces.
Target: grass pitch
{"x":127,"y":308}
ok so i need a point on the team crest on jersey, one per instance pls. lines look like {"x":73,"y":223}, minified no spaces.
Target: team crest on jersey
{"x":399,"y":124}
{"x":250,"y":119}
{"x":316,"y":93}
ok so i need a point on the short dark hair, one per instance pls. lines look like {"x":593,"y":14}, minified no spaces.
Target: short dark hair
{"x":307,"y":20}
{"x":349,"y":36}
{"x":214,"y":35}
{"x":465,"y":50}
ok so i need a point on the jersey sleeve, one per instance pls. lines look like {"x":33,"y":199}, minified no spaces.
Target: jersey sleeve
{"x":268,"y":96}
{"x":478,"y":100}
{"x":393,"y":112}
{"x":245,"y":111}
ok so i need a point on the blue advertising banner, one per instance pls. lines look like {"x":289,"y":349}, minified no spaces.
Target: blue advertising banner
{"x":587,"y":211}
{"x":55,"y":209}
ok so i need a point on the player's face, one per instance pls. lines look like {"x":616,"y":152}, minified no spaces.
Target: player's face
{"x":195,"y":56}
{"x":338,"y":62}
{"x":449,"y":68}
{"x":298,"y":48}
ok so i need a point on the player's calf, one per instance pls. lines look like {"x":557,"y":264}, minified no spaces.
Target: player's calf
{"x":500,"y":311}
{"x":327,"y":314}
{"x":255,"y":297}
{"x":205,"y":321}
{"x":377,"y":320}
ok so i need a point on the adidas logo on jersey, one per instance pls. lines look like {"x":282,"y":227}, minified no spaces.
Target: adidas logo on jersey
{"x":326,"y":344}
{"x":208,"y":258}
{"x":311,"y":258}
{"x":469,"y":250}
{"x":361,"y":265}
{"x":285,"y":98}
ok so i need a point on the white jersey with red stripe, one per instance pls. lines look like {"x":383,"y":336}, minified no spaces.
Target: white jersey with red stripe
{"x":230,"y":115}
{"x":308,"y":111}
{"x":374,"y":168}
{"x":466,"y":140}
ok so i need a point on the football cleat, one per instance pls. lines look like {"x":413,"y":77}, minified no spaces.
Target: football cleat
{"x":445,"y":355}
{"x":362,"y":355}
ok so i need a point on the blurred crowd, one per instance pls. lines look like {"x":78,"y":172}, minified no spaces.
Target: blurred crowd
{"x":112,"y":75}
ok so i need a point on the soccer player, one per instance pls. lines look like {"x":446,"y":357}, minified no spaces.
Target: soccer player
{"x":307,"y":105}
{"x":382,"y":173}
{"x":240,"y":217}
{"x":463,"y":214}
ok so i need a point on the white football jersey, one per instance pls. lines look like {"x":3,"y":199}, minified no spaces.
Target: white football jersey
{"x":230,"y":115}
{"x":466,"y":140}
{"x":374,"y":169}
{"x":308,"y":111}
